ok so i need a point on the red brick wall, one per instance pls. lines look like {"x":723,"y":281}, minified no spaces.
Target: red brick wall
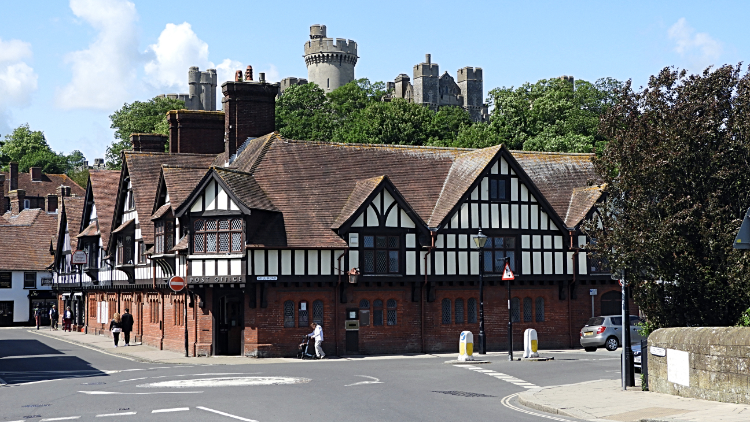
{"x":197,"y":132}
{"x":249,"y":111}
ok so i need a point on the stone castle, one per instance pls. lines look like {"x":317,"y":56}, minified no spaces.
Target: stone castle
{"x":202,"y":90}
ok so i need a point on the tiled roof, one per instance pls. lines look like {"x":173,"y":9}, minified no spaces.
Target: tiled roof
{"x":161,"y":211}
{"x":26,"y":240}
{"x":104,"y":185}
{"x":246,"y":189}
{"x":89,"y":231}
{"x":144,"y":169}
{"x":180,"y":182}
{"x":73,"y":213}
{"x":581,"y":202}
{"x":182,"y":245}
{"x":362,"y":190}
{"x":122,"y":226}
{"x":47,"y":185}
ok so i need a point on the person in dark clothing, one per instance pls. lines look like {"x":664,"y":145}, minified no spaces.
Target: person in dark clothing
{"x":53,"y":315}
{"x":116,"y":327}
{"x":127,"y":325}
{"x":37,"y":315}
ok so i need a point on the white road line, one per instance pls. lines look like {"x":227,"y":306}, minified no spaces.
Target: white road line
{"x":102,"y":393}
{"x":376,"y":381}
{"x":176,"y":409}
{"x":506,"y":402}
{"x":67,"y":418}
{"x":116,"y":414}
{"x":225,"y":414}
{"x":133,"y":379}
{"x":499,"y":375}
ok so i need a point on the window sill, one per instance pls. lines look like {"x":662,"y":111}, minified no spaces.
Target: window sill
{"x":216,"y":256}
{"x":382,"y":275}
{"x":163,"y":255}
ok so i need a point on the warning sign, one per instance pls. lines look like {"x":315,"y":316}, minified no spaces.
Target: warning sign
{"x":507,"y":273}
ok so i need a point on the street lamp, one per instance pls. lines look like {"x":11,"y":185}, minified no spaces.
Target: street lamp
{"x":480,"y":239}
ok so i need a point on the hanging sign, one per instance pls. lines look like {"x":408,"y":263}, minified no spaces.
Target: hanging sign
{"x":79,"y":258}
{"x":507,"y":273}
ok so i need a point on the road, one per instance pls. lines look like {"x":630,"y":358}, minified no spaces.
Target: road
{"x":47,"y":379}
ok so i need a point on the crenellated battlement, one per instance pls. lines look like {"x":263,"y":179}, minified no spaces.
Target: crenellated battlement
{"x":330,"y":62}
{"x":329,"y":45}
{"x":469,"y":74}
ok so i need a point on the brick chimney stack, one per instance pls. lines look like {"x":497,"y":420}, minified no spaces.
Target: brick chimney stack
{"x":2,"y":194}
{"x":63,"y":191}
{"x":196,"y":132}
{"x":13,"y":176}
{"x":35,"y":173}
{"x":148,"y":142}
{"x":249,"y":111}
{"x":17,"y":198}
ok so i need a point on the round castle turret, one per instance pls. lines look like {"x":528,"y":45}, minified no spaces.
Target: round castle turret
{"x":329,"y":64}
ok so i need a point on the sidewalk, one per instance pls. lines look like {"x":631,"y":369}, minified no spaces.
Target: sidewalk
{"x":604,"y":400}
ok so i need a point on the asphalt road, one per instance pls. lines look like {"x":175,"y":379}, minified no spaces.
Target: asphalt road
{"x":47,"y":379}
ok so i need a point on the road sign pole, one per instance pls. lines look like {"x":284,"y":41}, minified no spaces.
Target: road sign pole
{"x":510,"y":312}
{"x":184,"y":306}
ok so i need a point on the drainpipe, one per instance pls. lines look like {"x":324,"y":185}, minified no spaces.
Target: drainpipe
{"x":573,"y":264}
{"x":336,"y":305}
{"x":433,"y":233}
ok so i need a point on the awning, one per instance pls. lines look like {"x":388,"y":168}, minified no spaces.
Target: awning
{"x":123,"y":226}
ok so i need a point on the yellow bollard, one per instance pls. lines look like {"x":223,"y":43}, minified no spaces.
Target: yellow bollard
{"x":466,"y":346}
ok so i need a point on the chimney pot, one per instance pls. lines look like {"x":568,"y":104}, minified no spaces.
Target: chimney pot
{"x":249,"y":73}
{"x":261,"y":77}
{"x":428,"y":58}
{"x":238,"y":76}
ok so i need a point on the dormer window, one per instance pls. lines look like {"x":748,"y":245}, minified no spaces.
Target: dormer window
{"x":129,"y":199}
{"x":218,"y":235}
{"x":163,"y":236}
{"x":381,"y":254}
{"x":125,"y":250}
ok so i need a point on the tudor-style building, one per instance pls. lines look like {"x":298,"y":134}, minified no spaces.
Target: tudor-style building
{"x":267,"y":232}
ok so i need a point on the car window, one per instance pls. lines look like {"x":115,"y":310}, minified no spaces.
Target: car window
{"x":616,"y":320}
{"x":595,"y":321}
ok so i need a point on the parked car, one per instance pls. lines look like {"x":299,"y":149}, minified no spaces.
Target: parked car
{"x":606,"y":331}
{"x":636,"y":356}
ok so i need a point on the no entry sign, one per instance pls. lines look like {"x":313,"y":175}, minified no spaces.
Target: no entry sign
{"x":177,"y":283}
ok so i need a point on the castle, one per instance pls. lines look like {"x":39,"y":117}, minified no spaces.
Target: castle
{"x":202,"y":90}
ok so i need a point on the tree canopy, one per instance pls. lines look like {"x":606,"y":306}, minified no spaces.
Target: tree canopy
{"x":30,"y":149}
{"x":138,"y":117}
{"x":676,"y":169}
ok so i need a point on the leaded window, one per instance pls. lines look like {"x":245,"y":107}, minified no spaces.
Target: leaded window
{"x":459,"y":311}
{"x":288,"y":314}
{"x":377,"y":312}
{"x":302,"y":315}
{"x":527,"y":317}
{"x":540,"y":309}
{"x":381,"y":254}
{"x":125,"y":250}
{"x":218,"y":235}
{"x":318,"y":312}
{"x":446,"y":304}
{"x":163,"y":236}
{"x":499,"y":191}
{"x":472,"y":311}
{"x":496,"y":250}
{"x":364,"y":313}
{"x":391,"y":304}
{"x":515,"y":309}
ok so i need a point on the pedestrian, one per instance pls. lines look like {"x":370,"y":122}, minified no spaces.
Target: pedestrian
{"x":67,"y":319}
{"x":317,"y":334}
{"x":53,"y":318}
{"x":37,"y":315}
{"x":116,"y":327}
{"x":127,"y":325}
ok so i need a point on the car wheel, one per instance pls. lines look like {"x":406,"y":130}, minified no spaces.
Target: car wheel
{"x":590,"y":349}
{"x":611,"y":344}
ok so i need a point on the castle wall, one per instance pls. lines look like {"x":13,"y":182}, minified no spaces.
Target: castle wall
{"x":330,"y":63}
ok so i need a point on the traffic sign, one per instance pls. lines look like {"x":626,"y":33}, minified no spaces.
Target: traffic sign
{"x":507,"y":273}
{"x":177,"y":283}
{"x":79,"y":258}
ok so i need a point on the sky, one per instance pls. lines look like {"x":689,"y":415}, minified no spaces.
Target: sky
{"x":66,"y":66}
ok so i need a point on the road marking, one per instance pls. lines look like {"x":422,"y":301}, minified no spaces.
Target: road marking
{"x":116,"y":414}
{"x":176,"y":409}
{"x":83,"y":345}
{"x":375,"y":381}
{"x":67,"y":418}
{"x":102,"y":393}
{"x":133,"y":379}
{"x":225,"y":414}
{"x":499,"y":375}
{"x":225,"y":382}
{"x":506,"y":402}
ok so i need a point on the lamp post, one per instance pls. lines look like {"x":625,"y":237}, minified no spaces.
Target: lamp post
{"x":510,"y":319}
{"x":480,"y":239}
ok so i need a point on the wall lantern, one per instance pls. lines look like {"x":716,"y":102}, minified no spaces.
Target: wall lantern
{"x":353,"y":275}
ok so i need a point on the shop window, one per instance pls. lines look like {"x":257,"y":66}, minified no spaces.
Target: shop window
{"x":302,"y":314}
{"x":380,"y":254}
{"x":377,"y":312}
{"x":515,"y":309}
{"x":527,"y":310}
{"x":446,"y":311}
{"x":540,"y":309}
{"x":496,"y":250}
{"x":29,"y":280}
{"x":391,"y":304}
{"x":318,"y":312}
{"x":218,"y":235}
{"x":288,"y":314}
{"x":364,"y":313}
{"x":472,"y":311}
{"x":459,"y":311}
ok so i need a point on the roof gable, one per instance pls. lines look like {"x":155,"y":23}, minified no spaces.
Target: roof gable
{"x":222,"y":189}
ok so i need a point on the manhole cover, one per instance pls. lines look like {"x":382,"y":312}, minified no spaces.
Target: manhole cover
{"x":93,"y":383}
{"x":462,"y":394}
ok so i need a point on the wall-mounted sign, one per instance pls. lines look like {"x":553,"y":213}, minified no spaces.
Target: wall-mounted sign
{"x":217,"y":279}
{"x":266,"y":278}
{"x":6,"y":280}
{"x":79,"y":258}
{"x":658,"y":351}
{"x":592,"y":292}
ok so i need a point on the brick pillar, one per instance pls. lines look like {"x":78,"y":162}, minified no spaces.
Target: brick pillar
{"x":63,"y":191}
{"x":249,"y":111}
{"x":16,"y":201}
{"x":13,"y":176}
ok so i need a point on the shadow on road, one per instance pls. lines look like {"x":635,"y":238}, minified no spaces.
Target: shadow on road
{"x":23,"y":361}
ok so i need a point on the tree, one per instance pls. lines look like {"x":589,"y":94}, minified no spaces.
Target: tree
{"x":138,"y":117}
{"x":676,"y":170}
{"x":303,"y":112}
{"x":30,"y":149}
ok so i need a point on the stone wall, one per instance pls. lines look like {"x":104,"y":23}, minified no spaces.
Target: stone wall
{"x":709,"y":363}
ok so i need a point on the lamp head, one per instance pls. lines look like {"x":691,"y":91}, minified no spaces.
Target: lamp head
{"x":480,"y":239}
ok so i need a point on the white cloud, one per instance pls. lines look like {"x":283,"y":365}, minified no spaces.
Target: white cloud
{"x":177,"y":49}
{"x":700,"y":48}
{"x":104,"y":74}
{"x":17,"y":79}
{"x":225,"y":72}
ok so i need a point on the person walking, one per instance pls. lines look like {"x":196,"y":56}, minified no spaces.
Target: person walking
{"x":67,"y":319}
{"x":53,"y":315}
{"x":37,"y":315}
{"x":317,"y":334}
{"x":127,"y":326}
{"x":116,"y":327}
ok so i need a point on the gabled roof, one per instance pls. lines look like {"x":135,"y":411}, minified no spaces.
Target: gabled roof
{"x":26,"y":240}
{"x":180,"y":182}
{"x":89,"y":231}
{"x":581,"y":202}
{"x":245,"y":189}
{"x":362,"y":190}
{"x":104,"y":185}
{"x":47,"y":185}
{"x":73,"y":213}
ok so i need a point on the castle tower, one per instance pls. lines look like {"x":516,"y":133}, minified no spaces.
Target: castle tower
{"x":426,"y":83}
{"x":329,"y":64}
{"x":471,"y":85}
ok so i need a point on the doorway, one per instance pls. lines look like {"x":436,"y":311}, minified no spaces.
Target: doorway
{"x":351,"y":325}
{"x":229,"y":324}
{"x":611,"y":303}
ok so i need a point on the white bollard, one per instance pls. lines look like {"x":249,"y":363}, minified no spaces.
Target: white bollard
{"x":466,"y":346}
{"x":530,"y":343}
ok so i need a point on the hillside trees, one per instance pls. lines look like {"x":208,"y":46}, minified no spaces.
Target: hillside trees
{"x":676,"y":169}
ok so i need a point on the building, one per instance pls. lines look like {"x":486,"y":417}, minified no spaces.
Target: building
{"x":38,"y":190}
{"x":201,"y":92}
{"x":374,"y":242}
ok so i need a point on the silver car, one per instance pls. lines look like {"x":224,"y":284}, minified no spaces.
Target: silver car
{"x":606,"y":331}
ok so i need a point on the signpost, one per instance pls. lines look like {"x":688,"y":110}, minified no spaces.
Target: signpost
{"x":508,"y":276}
{"x":592,"y":293}
{"x":178,"y":284}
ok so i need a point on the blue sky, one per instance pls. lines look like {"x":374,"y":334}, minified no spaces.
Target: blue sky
{"x":66,"y":66}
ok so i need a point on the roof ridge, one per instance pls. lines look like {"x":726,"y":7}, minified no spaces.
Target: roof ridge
{"x":397,"y":146}
{"x":583,"y":154}
{"x":264,"y":150}
{"x":167,"y":153}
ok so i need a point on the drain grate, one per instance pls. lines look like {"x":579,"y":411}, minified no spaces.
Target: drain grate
{"x":462,"y":394}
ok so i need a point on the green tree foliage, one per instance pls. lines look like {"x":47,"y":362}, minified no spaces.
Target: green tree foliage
{"x":138,"y":117}
{"x":30,"y":149}
{"x":676,"y":169}
{"x":303,"y":112}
